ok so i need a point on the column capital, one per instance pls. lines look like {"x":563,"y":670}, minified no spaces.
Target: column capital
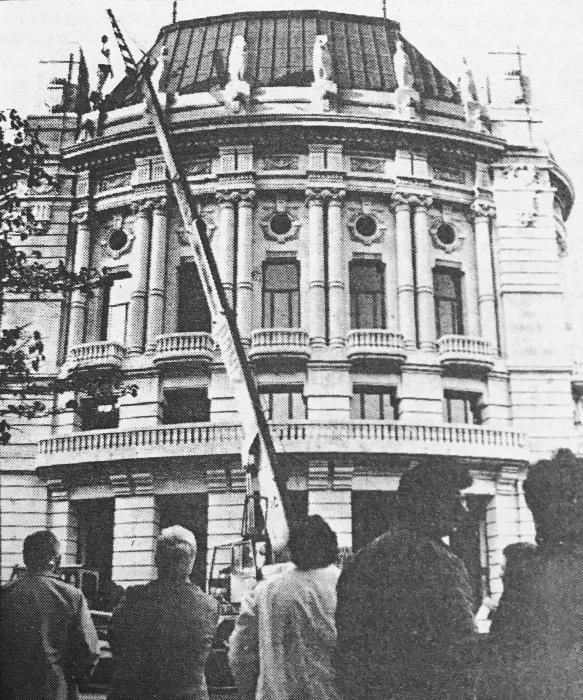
{"x":482,"y":208}
{"x":143,"y":207}
{"x":80,"y":216}
{"x":325,"y":194}
{"x":247,"y":197}
{"x":160,"y":206}
{"x":228,"y":198}
{"x":410,"y":199}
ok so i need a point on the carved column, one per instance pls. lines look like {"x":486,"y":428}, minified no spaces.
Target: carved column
{"x":424,"y":291}
{"x":336,"y":270}
{"x":245,"y":267}
{"x":137,"y":306}
{"x":226,"y":248}
{"x":157,"y":285}
{"x":78,"y":298}
{"x":483,"y":211}
{"x":405,"y":286}
{"x":317,"y":291}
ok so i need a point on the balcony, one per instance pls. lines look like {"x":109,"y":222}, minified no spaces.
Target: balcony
{"x":183,"y":347}
{"x":279,"y":342}
{"x":356,"y":437}
{"x":375,"y":343}
{"x":465,"y":353}
{"x":104,"y":354}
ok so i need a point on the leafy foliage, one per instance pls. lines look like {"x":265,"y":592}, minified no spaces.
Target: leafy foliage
{"x":23,"y":157}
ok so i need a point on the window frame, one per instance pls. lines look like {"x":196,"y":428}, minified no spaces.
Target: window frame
{"x":166,"y":404}
{"x":379,"y":297}
{"x":291,"y":389}
{"x":362,"y":390}
{"x":457,"y":314}
{"x":186,"y":323}
{"x":267,"y":319}
{"x":473,"y":408}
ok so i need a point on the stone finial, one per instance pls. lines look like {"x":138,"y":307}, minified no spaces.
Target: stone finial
{"x":237,"y":90}
{"x":324,"y":89}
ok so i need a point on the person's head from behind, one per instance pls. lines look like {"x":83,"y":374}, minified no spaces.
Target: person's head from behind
{"x":313,"y":544}
{"x":175,"y":553}
{"x":554,"y":493}
{"x":519,"y":558}
{"x":41,"y":551}
{"x":429,"y":496}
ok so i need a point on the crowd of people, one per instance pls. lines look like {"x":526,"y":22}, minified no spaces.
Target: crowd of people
{"x":396,"y":622}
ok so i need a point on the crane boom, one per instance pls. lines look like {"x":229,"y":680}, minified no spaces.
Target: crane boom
{"x":264,"y":478}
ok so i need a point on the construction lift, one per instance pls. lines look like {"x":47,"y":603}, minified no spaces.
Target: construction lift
{"x":235,"y":566}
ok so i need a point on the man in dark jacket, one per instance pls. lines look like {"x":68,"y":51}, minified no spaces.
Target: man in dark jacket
{"x":161,"y":632}
{"x":537,"y":630}
{"x":404,"y":615}
{"x":48,"y":638}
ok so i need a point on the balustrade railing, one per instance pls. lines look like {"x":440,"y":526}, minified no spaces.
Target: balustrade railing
{"x":464,"y":345}
{"x":104,"y":352}
{"x":302,"y":436}
{"x":279,"y":340}
{"x":184,"y":345}
{"x":375,"y":341}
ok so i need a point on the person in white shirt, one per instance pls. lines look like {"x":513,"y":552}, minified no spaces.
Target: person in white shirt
{"x":285,"y":636}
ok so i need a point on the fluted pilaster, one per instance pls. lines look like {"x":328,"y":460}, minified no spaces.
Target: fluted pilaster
{"x":336,"y":270}
{"x":137,"y":305}
{"x":423,"y":263}
{"x":226,"y":249}
{"x":317,"y":290}
{"x":405,"y":280}
{"x":245,"y":267}
{"x":483,"y":212}
{"x":157,"y":283}
{"x":78,"y":310}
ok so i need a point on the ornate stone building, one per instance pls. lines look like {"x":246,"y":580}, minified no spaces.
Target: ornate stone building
{"x":396,"y":253}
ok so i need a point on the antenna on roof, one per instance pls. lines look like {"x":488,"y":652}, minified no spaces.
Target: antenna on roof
{"x":385,"y":10}
{"x":174,"y":11}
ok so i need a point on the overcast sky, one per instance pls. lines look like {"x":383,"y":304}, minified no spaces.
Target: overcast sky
{"x":547,"y":31}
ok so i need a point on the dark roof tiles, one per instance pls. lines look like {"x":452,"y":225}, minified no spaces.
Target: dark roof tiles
{"x":279,"y":53}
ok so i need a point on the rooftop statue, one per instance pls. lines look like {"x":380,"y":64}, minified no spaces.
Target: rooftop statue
{"x":237,"y":60}
{"x":321,"y":61}
{"x":403,"y":69}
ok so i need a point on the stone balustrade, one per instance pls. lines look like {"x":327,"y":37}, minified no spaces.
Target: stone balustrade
{"x":175,"y":347}
{"x":465,"y":351}
{"x":375,"y":343}
{"x":291,"y":342}
{"x":358,"y":437}
{"x":104,"y":353}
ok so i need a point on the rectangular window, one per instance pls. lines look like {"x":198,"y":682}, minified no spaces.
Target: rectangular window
{"x":374,"y":403}
{"x":98,"y":416}
{"x":367,"y":294}
{"x":460,"y":407}
{"x":281,"y":294}
{"x":447,"y":290}
{"x":283,"y":403}
{"x":114,"y":312}
{"x":193,"y":311}
{"x":186,"y":406}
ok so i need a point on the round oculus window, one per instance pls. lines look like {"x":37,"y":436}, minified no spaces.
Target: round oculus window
{"x":365,"y":226}
{"x":280,"y":224}
{"x":445,"y":234}
{"x":118,"y":239}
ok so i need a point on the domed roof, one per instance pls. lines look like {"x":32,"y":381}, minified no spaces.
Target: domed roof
{"x":279,"y":53}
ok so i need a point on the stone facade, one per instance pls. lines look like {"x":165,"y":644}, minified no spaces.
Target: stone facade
{"x":316,"y":203}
